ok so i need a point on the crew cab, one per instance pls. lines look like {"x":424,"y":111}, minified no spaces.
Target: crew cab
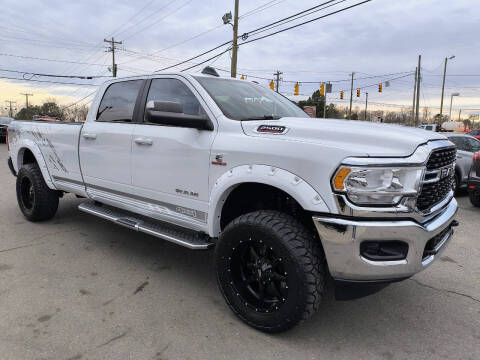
{"x":285,"y":200}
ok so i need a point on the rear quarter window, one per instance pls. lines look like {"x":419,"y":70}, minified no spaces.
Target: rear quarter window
{"x":119,"y":100}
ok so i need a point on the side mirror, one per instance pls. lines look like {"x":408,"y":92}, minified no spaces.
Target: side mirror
{"x":171,"y":114}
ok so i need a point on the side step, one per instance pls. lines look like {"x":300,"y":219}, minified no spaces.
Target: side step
{"x":186,"y":238}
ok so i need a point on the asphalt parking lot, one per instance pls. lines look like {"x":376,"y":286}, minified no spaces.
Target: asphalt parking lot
{"x":77,"y":287}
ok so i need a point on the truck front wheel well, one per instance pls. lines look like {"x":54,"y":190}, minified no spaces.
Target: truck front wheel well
{"x":249,"y":197}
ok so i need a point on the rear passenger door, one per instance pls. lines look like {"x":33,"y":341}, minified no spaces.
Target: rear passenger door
{"x":170,"y":164}
{"x":106,"y":143}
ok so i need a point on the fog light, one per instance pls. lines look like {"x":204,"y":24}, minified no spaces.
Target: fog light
{"x":384,"y":250}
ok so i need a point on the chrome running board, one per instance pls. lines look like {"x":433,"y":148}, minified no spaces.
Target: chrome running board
{"x":174,"y":234}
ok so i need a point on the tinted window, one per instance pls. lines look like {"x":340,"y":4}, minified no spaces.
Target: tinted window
{"x":429,"y":127}
{"x":119,"y":101}
{"x":174,"y":90}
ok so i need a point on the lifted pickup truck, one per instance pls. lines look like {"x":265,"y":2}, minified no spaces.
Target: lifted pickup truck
{"x":286,"y":200}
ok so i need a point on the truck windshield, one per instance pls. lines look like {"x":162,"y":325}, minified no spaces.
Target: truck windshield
{"x":243,"y":100}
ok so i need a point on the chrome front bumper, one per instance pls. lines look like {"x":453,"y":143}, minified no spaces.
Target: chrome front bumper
{"x":341,"y":239}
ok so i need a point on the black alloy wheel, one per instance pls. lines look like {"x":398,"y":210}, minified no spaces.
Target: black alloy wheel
{"x":270,"y":269}
{"x":258,"y":276}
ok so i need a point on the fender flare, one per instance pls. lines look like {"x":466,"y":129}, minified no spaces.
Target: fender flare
{"x":28,"y":144}
{"x":282,"y":179}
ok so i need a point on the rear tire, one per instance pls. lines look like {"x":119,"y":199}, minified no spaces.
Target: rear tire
{"x":475,"y":198}
{"x":270,"y":270}
{"x":36,"y":200}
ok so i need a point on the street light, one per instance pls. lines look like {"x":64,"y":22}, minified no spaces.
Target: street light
{"x":443,"y":83}
{"x":451,"y":101}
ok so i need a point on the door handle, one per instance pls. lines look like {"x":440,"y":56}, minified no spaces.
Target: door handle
{"x":89,"y":136}
{"x":142,"y":141}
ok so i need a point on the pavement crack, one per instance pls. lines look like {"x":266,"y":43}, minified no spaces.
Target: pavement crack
{"x":21,"y":247}
{"x":140,"y":288}
{"x":113,"y":339}
{"x":445,"y":290}
{"x":35,"y":243}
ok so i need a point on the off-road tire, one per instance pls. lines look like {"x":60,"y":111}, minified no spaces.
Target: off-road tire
{"x":303,"y":258}
{"x":45,"y":200}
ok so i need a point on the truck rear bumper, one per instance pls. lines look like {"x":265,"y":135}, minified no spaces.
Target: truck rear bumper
{"x":341,"y":240}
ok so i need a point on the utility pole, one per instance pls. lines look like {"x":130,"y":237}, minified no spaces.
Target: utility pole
{"x":26,"y":99}
{"x":351,"y":98}
{"x":366,"y":105}
{"x":459,"y":114}
{"x":419,"y":79}
{"x":112,"y":49}
{"x":10,"y":104}
{"x":233,"y":72}
{"x":277,"y":80}
{"x":414,"y":94}
{"x":443,"y":83}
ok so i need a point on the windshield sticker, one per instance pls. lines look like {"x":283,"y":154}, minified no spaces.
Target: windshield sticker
{"x":272,"y":129}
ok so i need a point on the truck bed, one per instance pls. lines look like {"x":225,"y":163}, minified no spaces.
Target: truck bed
{"x":55,"y":142}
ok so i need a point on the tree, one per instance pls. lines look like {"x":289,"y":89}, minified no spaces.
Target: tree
{"x":51,"y":108}
{"x":28,"y":113}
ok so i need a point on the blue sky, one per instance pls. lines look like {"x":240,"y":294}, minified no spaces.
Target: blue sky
{"x":379,"y":37}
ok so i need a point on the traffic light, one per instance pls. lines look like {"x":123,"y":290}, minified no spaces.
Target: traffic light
{"x":341,"y":95}
{"x":380,"y":87}
{"x":296,"y":89}
{"x":358,"y":92}
{"x":272,"y":85}
{"x":322,"y":89}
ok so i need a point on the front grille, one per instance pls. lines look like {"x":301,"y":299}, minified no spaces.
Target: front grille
{"x":434,"y":192}
{"x":441,"y":158}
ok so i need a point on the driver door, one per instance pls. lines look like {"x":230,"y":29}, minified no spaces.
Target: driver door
{"x":170,"y":164}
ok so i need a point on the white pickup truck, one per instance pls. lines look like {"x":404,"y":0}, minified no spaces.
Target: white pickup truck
{"x":286,"y":200}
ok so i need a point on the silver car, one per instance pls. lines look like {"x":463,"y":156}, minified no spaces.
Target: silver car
{"x":466,"y":146}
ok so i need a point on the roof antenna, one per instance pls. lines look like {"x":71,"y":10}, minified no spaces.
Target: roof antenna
{"x":210,"y":71}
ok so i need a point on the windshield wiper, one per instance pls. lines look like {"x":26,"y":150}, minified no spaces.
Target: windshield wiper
{"x":264,"y":117}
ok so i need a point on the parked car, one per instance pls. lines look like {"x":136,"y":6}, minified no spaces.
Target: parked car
{"x":204,"y":161}
{"x":4,"y":121}
{"x":429,"y":127}
{"x":475,"y":134}
{"x":474,"y":181}
{"x":466,"y":146}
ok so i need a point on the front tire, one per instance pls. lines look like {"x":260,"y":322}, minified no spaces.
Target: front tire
{"x":270,"y":270}
{"x":36,"y":200}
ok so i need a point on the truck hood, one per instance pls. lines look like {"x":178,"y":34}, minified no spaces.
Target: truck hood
{"x":358,"y":137}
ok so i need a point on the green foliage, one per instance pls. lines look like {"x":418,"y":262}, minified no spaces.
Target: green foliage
{"x":28,"y":113}
{"x":319,"y":101}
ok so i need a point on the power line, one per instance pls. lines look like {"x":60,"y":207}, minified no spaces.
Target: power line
{"x":195,"y":57}
{"x":260,"y":8}
{"x":47,"y":81}
{"x":25,"y":73}
{"x":156,"y":21}
{"x":76,"y":102}
{"x":52,"y":60}
{"x":203,"y":62}
{"x":252,"y":32}
{"x":305,"y":22}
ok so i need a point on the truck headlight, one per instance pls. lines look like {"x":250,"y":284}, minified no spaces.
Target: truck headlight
{"x":377,"y":185}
